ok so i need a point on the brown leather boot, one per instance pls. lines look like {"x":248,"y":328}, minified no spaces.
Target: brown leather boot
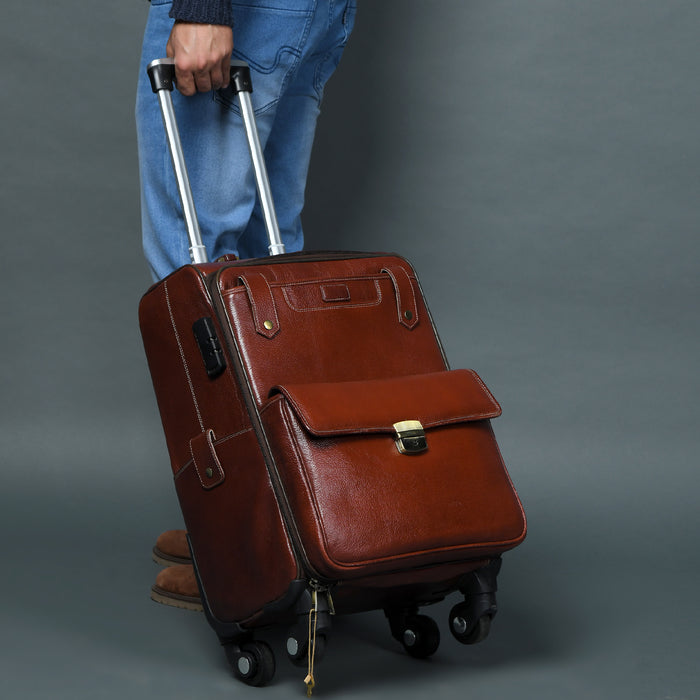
{"x":177,"y":586}
{"x":171,"y":548}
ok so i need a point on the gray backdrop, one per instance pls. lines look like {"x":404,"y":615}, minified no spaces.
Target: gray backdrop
{"x":539,"y":164}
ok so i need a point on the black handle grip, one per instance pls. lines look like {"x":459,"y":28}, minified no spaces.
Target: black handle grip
{"x":240,"y":77}
{"x":161,"y":73}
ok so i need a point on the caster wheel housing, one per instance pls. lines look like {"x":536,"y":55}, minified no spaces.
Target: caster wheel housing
{"x":253,"y":663}
{"x":467,"y":629}
{"x":419,"y":634}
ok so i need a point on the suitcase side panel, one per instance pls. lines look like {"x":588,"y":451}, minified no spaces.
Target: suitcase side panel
{"x":188,"y":400}
{"x":234,"y":512}
{"x":244,"y":558}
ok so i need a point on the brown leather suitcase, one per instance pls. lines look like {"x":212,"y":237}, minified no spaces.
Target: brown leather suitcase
{"x":325,"y":457}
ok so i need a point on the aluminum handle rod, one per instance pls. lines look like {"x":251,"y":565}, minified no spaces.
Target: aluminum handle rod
{"x":198,"y":253}
{"x":263,"y":182}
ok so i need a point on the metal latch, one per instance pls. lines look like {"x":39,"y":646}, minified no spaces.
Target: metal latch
{"x":410,"y":437}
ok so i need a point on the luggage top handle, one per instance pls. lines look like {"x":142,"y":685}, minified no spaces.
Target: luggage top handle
{"x":162,"y":76}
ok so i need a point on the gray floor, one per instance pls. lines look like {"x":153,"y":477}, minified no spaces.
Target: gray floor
{"x":547,"y":195}
{"x":574,"y":620}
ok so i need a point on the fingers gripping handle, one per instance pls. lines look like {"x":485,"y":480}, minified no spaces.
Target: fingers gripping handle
{"x":162,"y":76}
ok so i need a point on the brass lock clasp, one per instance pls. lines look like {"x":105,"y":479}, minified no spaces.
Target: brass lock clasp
{"x":410,"y":437}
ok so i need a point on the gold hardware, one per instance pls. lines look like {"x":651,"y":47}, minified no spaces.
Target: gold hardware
{"x":210,"y":472}
{"x":311,"y":653}
{"x":269,"y":325}
{"x":410,"y":437}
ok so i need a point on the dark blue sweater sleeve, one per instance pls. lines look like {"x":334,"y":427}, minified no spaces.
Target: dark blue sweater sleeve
{"x":202,"y":11}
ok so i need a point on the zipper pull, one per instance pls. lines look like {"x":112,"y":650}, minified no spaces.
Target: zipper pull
{"x":313,"y":620}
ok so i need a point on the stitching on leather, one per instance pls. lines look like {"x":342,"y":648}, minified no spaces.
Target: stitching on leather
{"x":287,"y":419}
{"x":212,"y":452}
{"x":190,"y":462}
{"x":196,"y":467}
{"x":397,"y":290}
{"x":329,"y":280}
{"x":335,"y":293}
{"x":251,"y":298}
{"x":182,"y":356}
{"x":414,"y":301}
{"x":314,"y":280}
{"x":330,"y":307}
{"x":523,"y":531}
{"x":384,"y":429}
{"x":427,"y":422}
{"x":479,"y":380}
{"x":256,"y":315}
{"x":436,"y":551}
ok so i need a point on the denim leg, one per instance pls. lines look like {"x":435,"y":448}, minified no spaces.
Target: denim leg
{"x":164,"y":243}
{"x":287,"y":155}
{"x":288,"y":148}
{"x":278,"y":39}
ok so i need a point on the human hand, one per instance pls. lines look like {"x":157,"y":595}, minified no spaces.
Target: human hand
{"x":202,"y":54}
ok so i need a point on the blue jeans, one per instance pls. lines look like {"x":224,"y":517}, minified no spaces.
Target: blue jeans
{"x":292,"y":47}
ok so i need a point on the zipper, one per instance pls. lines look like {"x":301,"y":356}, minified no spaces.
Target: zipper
{"x":323,"y":589}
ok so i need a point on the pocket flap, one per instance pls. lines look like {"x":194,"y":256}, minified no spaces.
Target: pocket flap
{"x":374,"y":406}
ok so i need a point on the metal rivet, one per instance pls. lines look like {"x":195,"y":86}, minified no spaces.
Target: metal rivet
{"x":459,"y":625}
{"x":409,"y":638}
{"x":269,"y":325}
{"x":210,"y":472}
{"x":408,"y":315}
{"x":244,"y":665}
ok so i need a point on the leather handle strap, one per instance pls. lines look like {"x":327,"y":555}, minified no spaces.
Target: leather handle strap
{"x":262,"y":303}
{"x":406,"y":301}
{"x":264,"y":310}
{"x":206,"y":461}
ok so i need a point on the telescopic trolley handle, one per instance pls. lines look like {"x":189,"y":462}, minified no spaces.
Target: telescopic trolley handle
{"x":162,"y":76}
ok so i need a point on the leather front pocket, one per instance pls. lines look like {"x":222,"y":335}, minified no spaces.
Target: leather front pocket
{"x":364,"y":506}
